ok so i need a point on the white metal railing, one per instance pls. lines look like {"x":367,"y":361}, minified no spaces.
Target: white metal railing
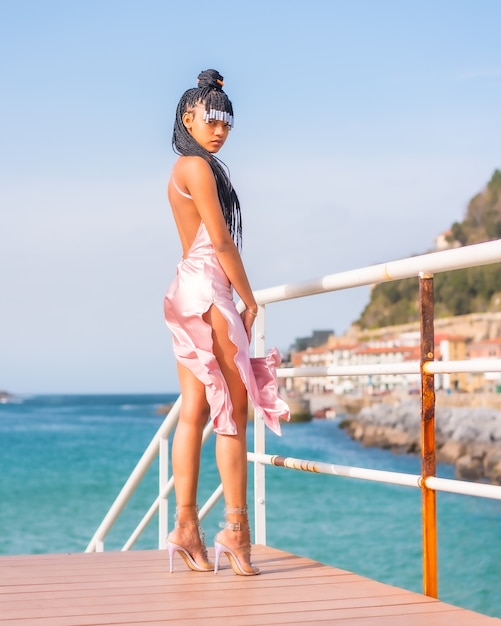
{"x":382,"y":476}
{"x":435,"y":262}
{"x":426,"y":264}
{"x":404,"y":367}
{"x":418,"y":266}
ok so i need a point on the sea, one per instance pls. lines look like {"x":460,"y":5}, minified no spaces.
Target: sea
{"x":64,"y":458}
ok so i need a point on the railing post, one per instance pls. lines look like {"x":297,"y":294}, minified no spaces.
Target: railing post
{"x":428,"y":455}
{"x":163,"y":503}
{"x":259,"y":445}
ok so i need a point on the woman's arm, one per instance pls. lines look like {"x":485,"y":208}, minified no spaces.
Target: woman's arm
{"x":199,"y":179}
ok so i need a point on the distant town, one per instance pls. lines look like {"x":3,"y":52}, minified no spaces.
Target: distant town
{"x":458,"y":338}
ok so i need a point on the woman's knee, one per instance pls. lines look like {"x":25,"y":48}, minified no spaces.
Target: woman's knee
{"x":194,"y":413}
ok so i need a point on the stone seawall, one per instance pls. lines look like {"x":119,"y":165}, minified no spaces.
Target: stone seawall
{"x":467,"y":436}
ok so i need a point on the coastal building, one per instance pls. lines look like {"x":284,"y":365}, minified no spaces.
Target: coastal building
{"x":339,"y":352}
{"x":317,"y":338}
{"x":451,"y":348}
{"x":444,"y":241}
{"x":486,"y":349}
{"x":331,"y":353}
{"x":389,"y":348}
{"x":378,"y":384}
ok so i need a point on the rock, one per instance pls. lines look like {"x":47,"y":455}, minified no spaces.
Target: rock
{"x":163,"y":409}
{"x":300,"y":409}
{"x":495,"y":435}
{"x":477,"y":450}
{"x":492,"y":463}
{"x":469,"y":468}
{"x":493,"y":475}
{"x":398,"y":440}
{"x":451,"y":451}
{"x":469,"y":436}
{"x":358,"y":433}
{"x":6,"y":397}
{"x":370,"y":438}
{"x":374,"y":436}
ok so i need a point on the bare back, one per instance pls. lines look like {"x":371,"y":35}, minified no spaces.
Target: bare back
{"x":184,"y":211}
{"x":193,"y":198}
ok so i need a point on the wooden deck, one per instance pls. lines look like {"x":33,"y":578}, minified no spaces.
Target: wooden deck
{"x":135,"y":588}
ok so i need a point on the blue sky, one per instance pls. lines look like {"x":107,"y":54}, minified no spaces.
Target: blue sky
{"x":363,"y":129}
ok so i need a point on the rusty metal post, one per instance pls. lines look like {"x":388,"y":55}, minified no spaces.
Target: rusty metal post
{"x":428,"y":455}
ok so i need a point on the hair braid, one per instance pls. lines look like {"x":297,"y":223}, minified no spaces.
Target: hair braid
{"x":210,"y":93}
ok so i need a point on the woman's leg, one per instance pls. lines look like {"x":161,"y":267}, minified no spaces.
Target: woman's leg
{"x":231,"y":450}
{"x":186,"y":450}
{"x":187,"y":442}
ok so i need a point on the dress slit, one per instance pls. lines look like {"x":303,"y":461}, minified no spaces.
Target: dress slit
{"x":200,"y":284}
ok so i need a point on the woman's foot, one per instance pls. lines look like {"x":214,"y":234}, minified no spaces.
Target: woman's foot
{"x":187,"y":538}
{"x":234,"y":541}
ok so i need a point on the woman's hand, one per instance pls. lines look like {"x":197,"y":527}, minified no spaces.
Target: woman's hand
{"x":248,"y":318}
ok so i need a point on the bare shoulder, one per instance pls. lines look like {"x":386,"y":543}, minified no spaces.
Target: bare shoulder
{"x":194,"y":175}
{"x":191,"y":166}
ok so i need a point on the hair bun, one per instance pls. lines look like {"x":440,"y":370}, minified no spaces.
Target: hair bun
{"x":210,"y":79}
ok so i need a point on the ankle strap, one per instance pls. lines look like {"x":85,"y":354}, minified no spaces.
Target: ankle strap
{"x":186,"y":506}
{"x":239,"y":510}
{"x":236,"y":510}
{"x":189,"y":522}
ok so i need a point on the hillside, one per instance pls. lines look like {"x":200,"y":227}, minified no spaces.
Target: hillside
{"x":473,"y":290}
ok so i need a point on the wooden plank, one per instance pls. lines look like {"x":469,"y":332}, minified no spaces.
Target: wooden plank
{"x":136,"y":589}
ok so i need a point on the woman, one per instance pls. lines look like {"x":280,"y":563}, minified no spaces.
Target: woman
{"x":211,"y":340}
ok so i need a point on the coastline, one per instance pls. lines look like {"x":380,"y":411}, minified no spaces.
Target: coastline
{"x":468,"y":428}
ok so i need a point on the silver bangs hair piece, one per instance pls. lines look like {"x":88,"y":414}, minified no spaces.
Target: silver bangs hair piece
{"x":222,"y":116}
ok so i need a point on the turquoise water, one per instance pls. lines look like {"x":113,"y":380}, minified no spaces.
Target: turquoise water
{"x":64,"y":459}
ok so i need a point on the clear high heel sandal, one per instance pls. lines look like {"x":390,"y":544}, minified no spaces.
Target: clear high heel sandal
{"x":239,"y":567}
{"x":197,"y":565}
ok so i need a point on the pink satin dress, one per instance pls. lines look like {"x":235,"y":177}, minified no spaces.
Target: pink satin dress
{"x":199,"y":284}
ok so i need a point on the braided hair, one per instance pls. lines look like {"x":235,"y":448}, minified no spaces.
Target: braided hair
{"x":217,"y":106}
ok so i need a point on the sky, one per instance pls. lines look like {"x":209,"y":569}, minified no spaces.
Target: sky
{"x":362,"y":130}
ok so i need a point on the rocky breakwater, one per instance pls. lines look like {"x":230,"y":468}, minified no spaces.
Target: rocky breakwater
{"x":467,"y":437}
